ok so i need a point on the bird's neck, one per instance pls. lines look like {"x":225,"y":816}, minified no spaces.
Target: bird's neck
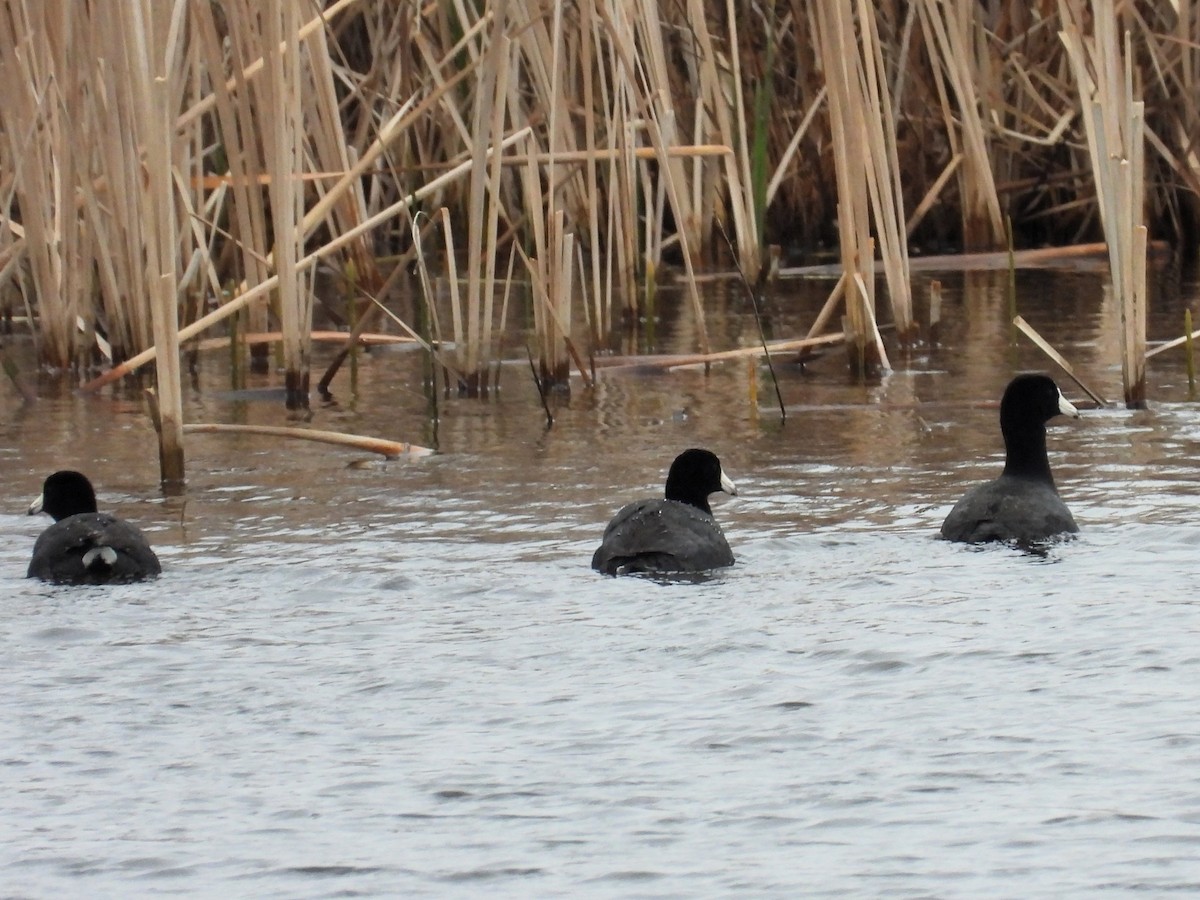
{"x":700,"y":501}
{"x":1025,"y":455}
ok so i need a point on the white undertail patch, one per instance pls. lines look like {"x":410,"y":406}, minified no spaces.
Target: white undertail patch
{"x":105,"y":556}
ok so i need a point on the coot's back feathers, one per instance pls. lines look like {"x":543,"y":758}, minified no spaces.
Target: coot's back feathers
{"x":676,"y":534}
{"x":1009,"y":509}
{"x":662,"y":536}
{"x":84,"y":546}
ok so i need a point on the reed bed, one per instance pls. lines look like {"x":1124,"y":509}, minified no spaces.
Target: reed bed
{"x":595,"y":143}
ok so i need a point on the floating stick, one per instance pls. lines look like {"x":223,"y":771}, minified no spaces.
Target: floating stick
{"x":390,"y":449}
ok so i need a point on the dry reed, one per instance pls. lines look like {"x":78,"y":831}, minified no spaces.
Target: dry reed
{"x":1114,"y":123}
{"x":389,"y":449}
{"x":848,"y":102}
{"x":307,"y":131}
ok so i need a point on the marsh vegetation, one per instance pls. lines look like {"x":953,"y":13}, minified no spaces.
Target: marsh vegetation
{"x":176,"y":169}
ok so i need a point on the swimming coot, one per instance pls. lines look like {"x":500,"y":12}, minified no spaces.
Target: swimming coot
{"x":84,"y":546}
{"x":1022,"y":505}
{"x":677,"y":534}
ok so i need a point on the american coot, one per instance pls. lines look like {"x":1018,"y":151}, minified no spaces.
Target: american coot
{"x":1022,"y":505}
{"x":84,"y":546}
{"x":677,"y":534}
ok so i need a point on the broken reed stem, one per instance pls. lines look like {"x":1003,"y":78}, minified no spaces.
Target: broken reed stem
{"x":1043,"y":257}
{"x":556,"y":326}
{"x":390,"y":449}
{"x":433,"y":324}
{"x":1042,"y":344}
{"x":609,"y":363}
{"x":363,"y":339}
{"x":933,"y":195}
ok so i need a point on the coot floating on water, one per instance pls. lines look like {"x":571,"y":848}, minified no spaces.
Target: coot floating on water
{"x":84,"y":546}
{"x":677,"y":534}
{"x":1022,"y":505}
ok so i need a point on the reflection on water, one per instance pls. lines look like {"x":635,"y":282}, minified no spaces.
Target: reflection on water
{"x":403,"y":677}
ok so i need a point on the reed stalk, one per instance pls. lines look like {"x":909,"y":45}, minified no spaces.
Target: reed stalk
{"x":353,"y":323}
{"x":764,"y":99}
{"x":1191,"y":355}
{"x":724,"y":102}
{"x":150,"y":76}
{"x":33,"y":135}
{"x":281,"y":92}
{"x":234,"y":116}
{"x":962,"y":77}
{"x":935,"y":311}
{"x":600,"y":318}
{"x":844,"y":76}
{"x":237,"y":351}
{"x":883,"y":175}
{"x":1114,"y":122}
{"x":485,"y":204}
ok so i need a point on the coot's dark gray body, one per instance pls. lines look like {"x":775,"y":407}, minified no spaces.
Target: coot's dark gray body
{"x":1022,"y":505}
{"x":1009,"y":509}
{"x":92,"y":548}
{"x":676,"y":534}
{"x":84,"y":546}
{"x":662,"y":536}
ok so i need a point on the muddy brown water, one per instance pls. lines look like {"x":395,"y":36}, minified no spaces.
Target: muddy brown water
{"x":373,"y":678}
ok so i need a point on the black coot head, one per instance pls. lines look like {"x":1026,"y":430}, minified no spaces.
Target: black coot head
{"x":65,"y":494}
{"x":694,"y":475}
{"x":1030,"y":401}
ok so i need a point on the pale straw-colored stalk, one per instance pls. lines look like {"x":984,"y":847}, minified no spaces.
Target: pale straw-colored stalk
{"x":281,"y":83}
{"x":1114,"y":123}
{"x":143,"y":41}
{"x":948,"y":35}
{"x":845,"y":79}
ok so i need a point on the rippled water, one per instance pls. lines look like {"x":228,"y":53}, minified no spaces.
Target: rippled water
{"x":403,"y":678}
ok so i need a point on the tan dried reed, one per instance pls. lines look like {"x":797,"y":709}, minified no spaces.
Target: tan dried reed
{"x":313,"y":132}
{"x":1114,"y":122}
